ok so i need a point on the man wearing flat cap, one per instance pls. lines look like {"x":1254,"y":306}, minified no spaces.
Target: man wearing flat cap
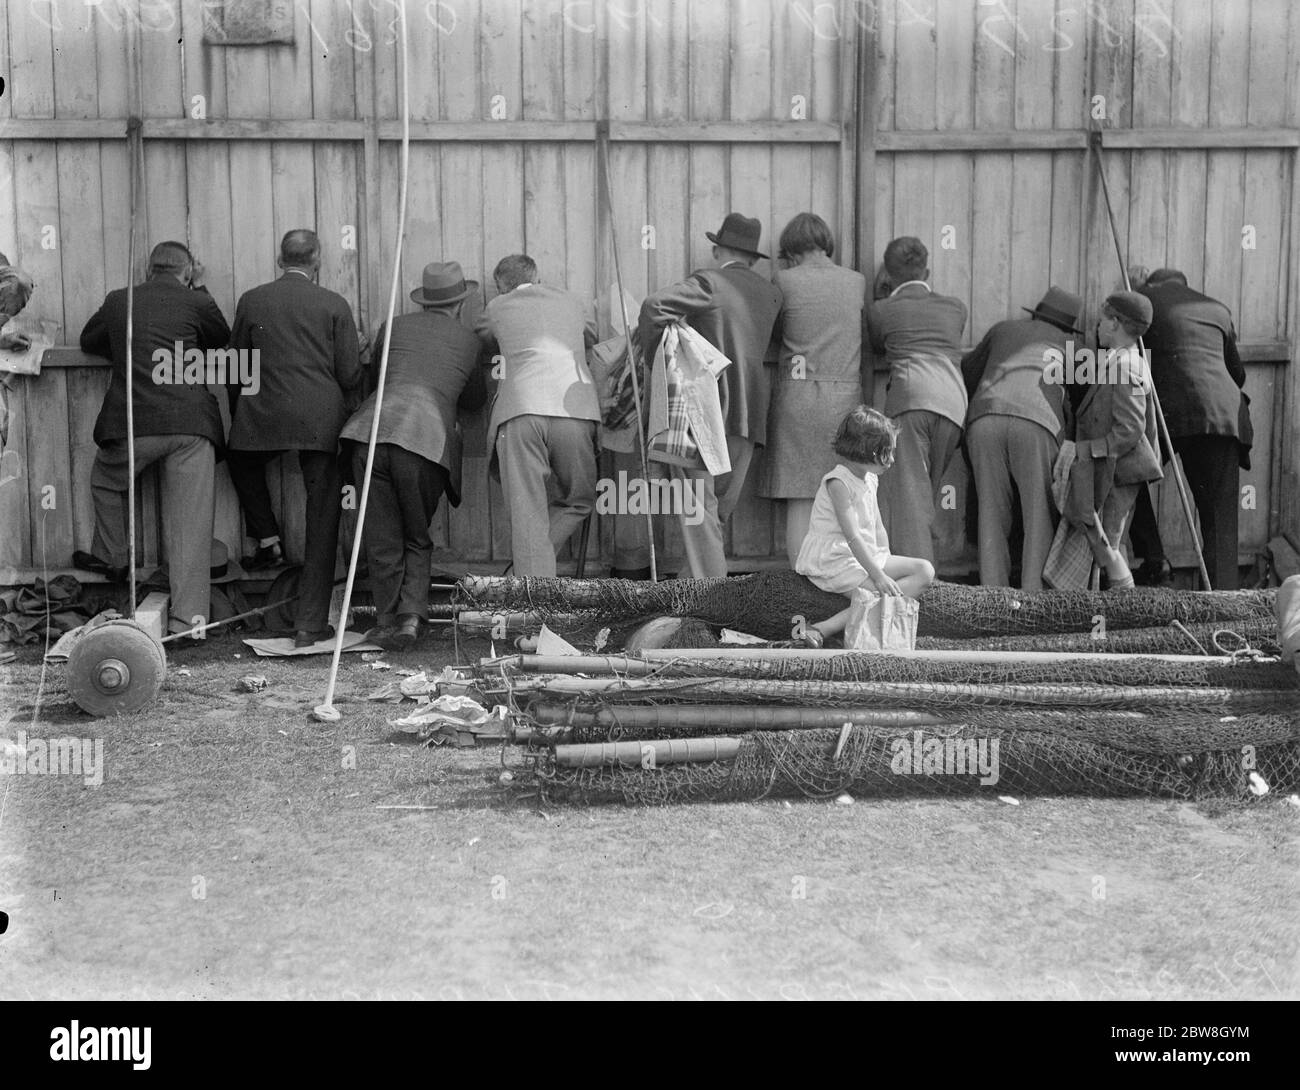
{"x":919,"y":334}
{"x":310,"y":362}
{"x":1115,"y":440}
{"x":433,"y":371}
{"x":735,"y":310}
{"x":1014,"y":427}
{"x":1200,"y":378}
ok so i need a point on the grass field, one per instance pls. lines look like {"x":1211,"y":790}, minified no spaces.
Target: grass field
{"x":231,"y":851}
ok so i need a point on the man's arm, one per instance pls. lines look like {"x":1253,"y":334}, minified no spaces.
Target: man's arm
{"x":347,"y":349}
{"x":95,"y":340}
{"x":974,"y":363}
{"x":213,"y":331}
{"x":474,"y":396}
{"x":874,"y":329}
{"x":1230,"y":357}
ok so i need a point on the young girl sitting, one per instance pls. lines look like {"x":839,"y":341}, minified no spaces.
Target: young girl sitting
{"x":846,"y":546}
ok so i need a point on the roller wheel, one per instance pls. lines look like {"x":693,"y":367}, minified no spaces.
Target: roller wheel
{"x":115,"y":668}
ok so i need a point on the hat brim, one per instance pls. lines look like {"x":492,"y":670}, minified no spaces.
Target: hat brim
{"x":1052,"y":321}
{"x":731,"y":246}
{"x":418,"y":296}
{"x":231,"y":571}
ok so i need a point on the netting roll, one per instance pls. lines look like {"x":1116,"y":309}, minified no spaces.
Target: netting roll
{"x":874,"y":763}
{"x":1211,"y":638}
{"x":1118,"y":670}
{"x":768,"y":605}
{"x":1173,"y":730}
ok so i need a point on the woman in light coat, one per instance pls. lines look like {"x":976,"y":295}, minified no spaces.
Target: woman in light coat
{"x":818,"y":377}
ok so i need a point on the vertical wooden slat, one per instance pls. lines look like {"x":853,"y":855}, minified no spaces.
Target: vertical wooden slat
{"x":751,"y":94}
{"x":15,"y":503}
{"x":462,"y":97}
{"x":503,"y":165}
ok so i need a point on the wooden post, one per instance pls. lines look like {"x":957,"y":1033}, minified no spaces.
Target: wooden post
{"x":864,"y":83}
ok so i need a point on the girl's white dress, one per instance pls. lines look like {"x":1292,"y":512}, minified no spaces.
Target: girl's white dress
{"x":825,"y":556}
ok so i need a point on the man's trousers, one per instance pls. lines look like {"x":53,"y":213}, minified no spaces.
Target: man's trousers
{"x":404,"y":494}
{"x":548,"y":476}
{"x":908,"y":490}
{"x":1009,"y":454}
{"x":1213,"y":476}
{"x":713,"y":501}
{"x":320,"y":475}
{"x":187,"y":473}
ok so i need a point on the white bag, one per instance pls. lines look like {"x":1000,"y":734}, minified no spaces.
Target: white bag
{"x":881,"y":622}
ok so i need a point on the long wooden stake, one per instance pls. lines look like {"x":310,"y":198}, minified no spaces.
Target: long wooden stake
{"x":1175,"y":463}
{"x":633,"y":364}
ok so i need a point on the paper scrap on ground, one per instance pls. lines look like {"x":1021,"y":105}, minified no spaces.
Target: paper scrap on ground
{"x":282,"y":646}
{"x":548,"y":643}
{"x":739,"y":639}
{"x":416,"y":685}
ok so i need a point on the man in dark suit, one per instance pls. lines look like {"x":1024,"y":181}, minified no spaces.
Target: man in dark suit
{"x":309,"y":359}
{"x":919,"y":333}
{"x":734,"y":309}
{"x":542,"y":429}
{"x":177,"y":423}
{"x":433,"y":369}
{"x":1199,"y":378}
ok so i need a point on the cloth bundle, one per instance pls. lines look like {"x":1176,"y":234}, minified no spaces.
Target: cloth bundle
{"x":686,"y":425}
{"x":42,"y":611}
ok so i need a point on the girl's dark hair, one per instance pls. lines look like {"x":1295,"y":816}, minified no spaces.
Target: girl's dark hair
{"x":805,"y":233}
{"x":866,"y":435}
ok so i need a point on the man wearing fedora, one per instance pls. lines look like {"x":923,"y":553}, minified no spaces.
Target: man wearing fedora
{"x":735,"y":310}
{"x":308,"y":356}
{"x":919,"y":334}
{"x":433,"y":370}
{"x":542,"y":427}
{"x":1014,"y":427}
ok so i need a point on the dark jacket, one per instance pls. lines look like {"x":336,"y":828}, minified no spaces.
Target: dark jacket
{"x":433,"y":369}
{"x":919,"y":333}
{"x":309,"y":358}
{"x":734,"y":309}
{"x":166,"y":311}
{"x":1194,"y":362}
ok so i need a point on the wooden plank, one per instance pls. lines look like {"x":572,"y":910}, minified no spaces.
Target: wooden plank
{"x":16,"y":541}
{"x":50,"y":472}
{"x":86,"y":387}
{"x":500,"y":49}
{"x":30,"y":77}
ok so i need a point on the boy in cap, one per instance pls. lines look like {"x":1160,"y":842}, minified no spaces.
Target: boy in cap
{"x":1115,"y":436}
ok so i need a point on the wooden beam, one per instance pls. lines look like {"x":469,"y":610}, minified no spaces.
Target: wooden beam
{"x":865,"y":182}
{"x":179,"y":128}
{"x":982,"y":140}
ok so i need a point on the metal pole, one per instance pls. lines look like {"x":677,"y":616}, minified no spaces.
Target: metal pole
{"x":133,"y":146}
{"x":1184,"y":499}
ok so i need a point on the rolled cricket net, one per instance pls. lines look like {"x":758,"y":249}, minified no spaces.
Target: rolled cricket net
{"x":773,"y":606}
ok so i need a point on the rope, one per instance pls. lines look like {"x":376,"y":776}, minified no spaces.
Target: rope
{"x":327,"y":707}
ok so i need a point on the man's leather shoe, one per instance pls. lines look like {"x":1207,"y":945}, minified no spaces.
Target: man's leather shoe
{"x":302,"y":638}
{"x":402,"y":635}
{"x":266,"y":556}
{"x":90,"y":562}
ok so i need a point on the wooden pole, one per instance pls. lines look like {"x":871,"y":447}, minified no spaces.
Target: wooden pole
{"x":1175,"y":464}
